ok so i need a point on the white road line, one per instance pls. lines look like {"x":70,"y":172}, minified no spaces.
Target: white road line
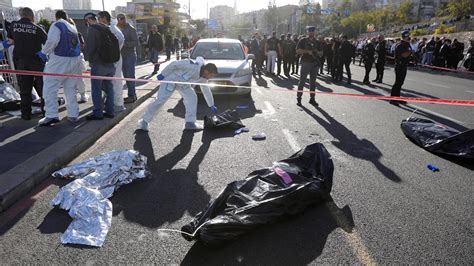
{"x":258,"y":91}
{"x":470,"y":91}
{"x":438,"y":85}
{"x":436,"y":114}
{"x":270,"y":109}
{"x":291,"y":140}
{"x":353,"y":238}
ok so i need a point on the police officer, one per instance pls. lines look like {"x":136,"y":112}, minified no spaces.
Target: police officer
{"x":289,"y":48}
{"x":369,"y":57}
{"x":28,"y":38}
{"x":380,"y":64}
{"x":311,"y":51}
{"x":272,"y":49}
{"x":346,"y":51}
{"x":402,"y":57}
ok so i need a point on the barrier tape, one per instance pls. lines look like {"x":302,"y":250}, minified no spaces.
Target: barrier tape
{"x":380,"y":97}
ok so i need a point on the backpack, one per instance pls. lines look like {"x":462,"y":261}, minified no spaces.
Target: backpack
{"x":109,"y":51}
{"x":68,"y":45}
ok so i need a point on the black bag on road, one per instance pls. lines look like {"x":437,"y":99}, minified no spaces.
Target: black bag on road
{"x":266,"y":195}
{"x":227,"y":120}
{"x":438,"y":138}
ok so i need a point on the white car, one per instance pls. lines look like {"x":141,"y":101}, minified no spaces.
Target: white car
{"x":233,"y":65}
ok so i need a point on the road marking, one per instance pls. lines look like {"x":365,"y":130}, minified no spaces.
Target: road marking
{"x":470,"y":91}
{"x":438,"y":85}
{"x":291,"y":140}
{"x":258,"y":91}
{"x":351,"y":235}
{"x":437,"y":114}
{"x":270,"y":109}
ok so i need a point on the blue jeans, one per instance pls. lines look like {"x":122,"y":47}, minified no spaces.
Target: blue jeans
{"x":154,"y":55}
{"x":128,"y":69}
{"x":105,"y":70}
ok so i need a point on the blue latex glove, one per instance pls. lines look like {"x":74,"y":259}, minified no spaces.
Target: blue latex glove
{"x":160,"y":77}
{"x":214,"y":109}
{"x":6,"y":44}
{"x":42,"y":56}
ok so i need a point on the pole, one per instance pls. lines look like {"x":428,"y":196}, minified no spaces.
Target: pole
{"x":103,"y":6}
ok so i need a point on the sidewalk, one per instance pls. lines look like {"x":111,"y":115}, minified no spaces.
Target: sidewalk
{"x":29,"y":154}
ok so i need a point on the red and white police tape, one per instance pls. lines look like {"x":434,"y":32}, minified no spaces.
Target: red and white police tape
{"x":380,"y":97}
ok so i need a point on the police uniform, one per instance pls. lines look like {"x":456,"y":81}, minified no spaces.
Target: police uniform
{"x":369,"y":58}
{"x":401,"y":63}
{"x":28,"y":38}
{"x":380,"y":64}
{"x":309,"y":65}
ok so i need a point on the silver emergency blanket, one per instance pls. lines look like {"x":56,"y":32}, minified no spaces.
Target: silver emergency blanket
{"x":86,"y":198}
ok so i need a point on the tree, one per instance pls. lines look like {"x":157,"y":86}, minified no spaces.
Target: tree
{"x":458,"y":8}
{"x":271,"y":18}
{"x":45,"y":24}
{"x":403,"y":14}
{"x":200,"y":25}
{"x":359,"y":5}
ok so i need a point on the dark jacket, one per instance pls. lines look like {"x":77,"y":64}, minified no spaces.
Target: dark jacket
{"x":131,"y":40}
{"x":255,"y":46}
{"x":93,"y":43}
{"x":347,"y":50}
{"x":368,"y":52}
{"x":155,"y":41}
{"x":381,"y":51}
{"x":28,"y":38}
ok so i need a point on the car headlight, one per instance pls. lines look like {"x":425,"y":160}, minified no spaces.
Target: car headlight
{"x":243,"y":72}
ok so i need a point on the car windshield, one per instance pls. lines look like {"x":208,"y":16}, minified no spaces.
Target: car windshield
{"x":218,"y":50}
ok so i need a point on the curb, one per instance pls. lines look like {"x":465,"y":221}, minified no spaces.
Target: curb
{"x":20,"y":180}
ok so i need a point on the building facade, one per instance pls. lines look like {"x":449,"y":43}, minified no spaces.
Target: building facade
{"x":77,"y":4}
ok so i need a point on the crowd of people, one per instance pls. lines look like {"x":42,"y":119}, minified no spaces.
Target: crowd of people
{"x":110,"y":49}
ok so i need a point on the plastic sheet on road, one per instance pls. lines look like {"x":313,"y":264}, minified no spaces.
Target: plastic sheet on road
{"x":86,"y":198}
{"x":438,"y":138}
{"x":228,"y":119}
{"x":286,"y":188}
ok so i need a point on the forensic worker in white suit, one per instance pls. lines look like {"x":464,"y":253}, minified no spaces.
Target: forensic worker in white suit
{"x":188,"y":70}
{"x":63,"y":49}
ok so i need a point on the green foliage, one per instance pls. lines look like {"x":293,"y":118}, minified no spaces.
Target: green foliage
{"x":200,"y":25}
{"x":45,"y":23}
{"x":271,"y":18}
{"x":442,"y":29}
{"x":420,"y":32}
{"x":403,"y":13}
{"x":457,"y":8}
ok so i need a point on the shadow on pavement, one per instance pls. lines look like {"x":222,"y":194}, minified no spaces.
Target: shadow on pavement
{"x":296,"y":240}
{"x":171,"y":192}
{"x":352,"y":145}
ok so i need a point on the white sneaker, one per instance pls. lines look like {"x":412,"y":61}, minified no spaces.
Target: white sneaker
{"x":119,"y":109}
{"x":84,"y":98}
{"x":193,"y":126}
{"x":143,"y":125}
{"x":46,"y":121}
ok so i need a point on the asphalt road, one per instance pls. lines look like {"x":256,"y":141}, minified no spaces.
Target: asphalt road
{"x":387,"y":206}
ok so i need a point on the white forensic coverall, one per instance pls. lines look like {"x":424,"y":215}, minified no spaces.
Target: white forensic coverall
{"x":60,"y":65}
{"x":183,"y":71}
{"x":118,"y":84}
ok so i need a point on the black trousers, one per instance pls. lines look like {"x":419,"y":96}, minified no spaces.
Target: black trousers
{"x":287,"y":63}
{"x":379,"y":67}
{"x":26,"y":83}
{"x":346,"y":63}
{"x":279,"y":63}
{"x":296,"y":63}
{"x":322,"y":64}
{"x":329,"y":63}
{"x":368,"y":66}
{"x":400,"y":75}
